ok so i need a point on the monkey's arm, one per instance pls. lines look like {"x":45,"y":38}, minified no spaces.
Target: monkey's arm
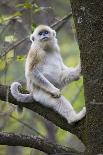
{"x":70,"y":74}
{"x":39,"y":80}
{"x":34,"y":58}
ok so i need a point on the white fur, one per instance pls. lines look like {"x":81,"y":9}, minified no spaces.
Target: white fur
{"x":48,"y":78}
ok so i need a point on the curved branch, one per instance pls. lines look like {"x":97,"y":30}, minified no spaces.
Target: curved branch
{"x":57,"y":26}
{"x":28,"y":126}
{"x":78,"y":128}
{"x":31,"y":141}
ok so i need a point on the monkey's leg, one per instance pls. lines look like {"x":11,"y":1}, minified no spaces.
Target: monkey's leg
{"x":65,"y":108}
{"x":42,"y":82}
{"x":61,"y":105}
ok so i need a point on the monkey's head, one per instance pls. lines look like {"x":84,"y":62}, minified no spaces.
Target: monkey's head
{"x":43,"y":33}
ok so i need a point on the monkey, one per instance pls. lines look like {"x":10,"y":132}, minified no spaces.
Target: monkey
{"x":47,"y":75}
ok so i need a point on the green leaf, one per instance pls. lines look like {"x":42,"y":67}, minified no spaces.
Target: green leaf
{"x":24,"y":5}
{"x":20,"y":58}
{"x":35,"y":5}
{"x":33,"y":26}
{"x":18,"y":14}
{"x":27,"y":5}
{"x":19,"y":5}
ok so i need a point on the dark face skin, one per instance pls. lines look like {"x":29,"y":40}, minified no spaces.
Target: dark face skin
{"x":44,"y":35}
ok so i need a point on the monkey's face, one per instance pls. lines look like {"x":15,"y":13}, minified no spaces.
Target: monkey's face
{"x":43,"y":34}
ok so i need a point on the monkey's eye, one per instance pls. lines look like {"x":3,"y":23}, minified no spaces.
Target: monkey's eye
{"x":46,"y":32}
{"x":40,"y":33}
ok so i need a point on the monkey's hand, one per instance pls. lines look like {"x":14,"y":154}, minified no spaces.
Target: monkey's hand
{"x":77,"y":72}
{"x":70,"y":74}
{"x":56,"y":93}
{"x":39,"y":80}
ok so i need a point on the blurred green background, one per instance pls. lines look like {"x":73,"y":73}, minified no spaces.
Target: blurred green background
{"x":18,"y":18}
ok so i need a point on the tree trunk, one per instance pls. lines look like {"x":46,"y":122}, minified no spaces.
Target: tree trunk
{"x":88,"y":18}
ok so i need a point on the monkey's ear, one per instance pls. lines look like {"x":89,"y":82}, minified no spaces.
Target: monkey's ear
{"x":32,"y":38}
{"x":54,"y":33}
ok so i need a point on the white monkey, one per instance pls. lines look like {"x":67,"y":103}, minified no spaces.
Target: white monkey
{"x":47,"y":75}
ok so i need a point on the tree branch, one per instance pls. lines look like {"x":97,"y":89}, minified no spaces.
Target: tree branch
{"x":78,"y":128}
{"x":31,"y":141}
{"x":27,"y":125}
{"x":60,"y":23}
{"x":57,"y":26}
{"x":13,"y":46}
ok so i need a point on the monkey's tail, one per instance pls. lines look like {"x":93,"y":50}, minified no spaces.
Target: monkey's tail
{"x":19,"y":96}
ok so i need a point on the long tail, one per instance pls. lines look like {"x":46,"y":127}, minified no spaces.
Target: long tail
{"x":19,"y":96}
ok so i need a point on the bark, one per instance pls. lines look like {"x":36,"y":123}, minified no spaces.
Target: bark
{"x":77,"y":128}
{"x":44,"y":145}
{"x":88,"y":17}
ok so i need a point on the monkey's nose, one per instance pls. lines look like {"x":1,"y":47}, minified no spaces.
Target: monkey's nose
{"x":44,"y":34}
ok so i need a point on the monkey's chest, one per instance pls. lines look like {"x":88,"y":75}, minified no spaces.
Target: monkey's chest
{"x":53,"y":71}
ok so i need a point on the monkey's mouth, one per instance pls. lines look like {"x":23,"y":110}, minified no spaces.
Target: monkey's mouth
{"x":45,"y":38}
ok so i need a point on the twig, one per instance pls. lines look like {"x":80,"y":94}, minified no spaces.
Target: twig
{"x":13,"y":46}
{"x":31,"y":141}
{"x":57,"y":25}
{"x":4,"y":28}
{"x":27,"y":125}
{"x":77,"y":128}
